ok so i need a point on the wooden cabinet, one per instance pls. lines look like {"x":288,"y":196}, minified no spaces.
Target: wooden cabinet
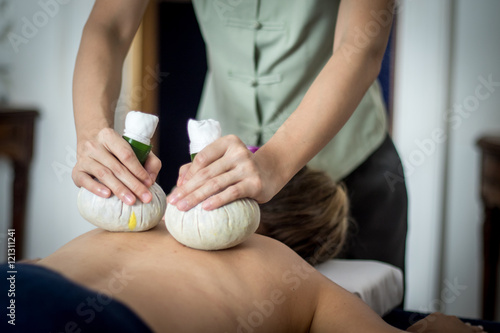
{"x":16,"y":143}
{"x":490,"y":195}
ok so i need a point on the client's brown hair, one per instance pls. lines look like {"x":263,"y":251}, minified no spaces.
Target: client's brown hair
{"x":309,"y":215}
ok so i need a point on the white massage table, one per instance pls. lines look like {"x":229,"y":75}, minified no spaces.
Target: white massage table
{"x":378,"y":284}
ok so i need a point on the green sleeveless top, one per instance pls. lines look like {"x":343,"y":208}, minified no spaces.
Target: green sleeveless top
{"x":262,"y":57}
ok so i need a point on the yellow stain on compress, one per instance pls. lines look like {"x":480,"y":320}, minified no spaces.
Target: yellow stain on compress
{"x":132,"y":221}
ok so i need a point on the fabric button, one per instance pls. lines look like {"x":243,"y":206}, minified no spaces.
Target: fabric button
{"x":254,"y":83}
{"x":257,"y":25}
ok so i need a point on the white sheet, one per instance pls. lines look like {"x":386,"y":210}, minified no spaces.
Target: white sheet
{"x":378,"y":284}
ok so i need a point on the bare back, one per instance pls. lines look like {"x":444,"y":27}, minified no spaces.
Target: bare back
{"x":260,"y":284}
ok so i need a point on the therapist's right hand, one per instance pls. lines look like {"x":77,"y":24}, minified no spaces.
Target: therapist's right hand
{"x":107,"y":164}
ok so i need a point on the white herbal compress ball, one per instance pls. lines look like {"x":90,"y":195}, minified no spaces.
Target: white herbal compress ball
{"x":113,"y":215}
{"x":217,"y":229}
{"x":220,"y":228}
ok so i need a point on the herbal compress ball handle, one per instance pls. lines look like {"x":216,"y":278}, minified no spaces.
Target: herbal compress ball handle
{"x":111,"y":213}
{"x":220,"y":228}
{"x":139,"y":129}
{"x":202,"y":133}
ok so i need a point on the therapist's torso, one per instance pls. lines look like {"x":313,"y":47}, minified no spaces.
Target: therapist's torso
{"x":262,"y":57}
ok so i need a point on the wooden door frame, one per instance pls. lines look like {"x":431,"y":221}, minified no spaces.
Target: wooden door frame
{"x":144,"y":68}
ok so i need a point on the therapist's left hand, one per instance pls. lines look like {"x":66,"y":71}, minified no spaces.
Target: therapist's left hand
{"x":223,"y":172}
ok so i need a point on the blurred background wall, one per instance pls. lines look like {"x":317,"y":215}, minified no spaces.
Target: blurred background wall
{"x":444,"y":49}
{"x":41,"y":59}
{"x":41,"y":70}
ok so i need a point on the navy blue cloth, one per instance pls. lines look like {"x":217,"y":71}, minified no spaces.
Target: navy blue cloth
{"x":45,"y":301}
{"x":403,"y":319}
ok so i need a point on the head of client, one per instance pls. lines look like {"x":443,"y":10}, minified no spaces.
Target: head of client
{"x":310,"y":215}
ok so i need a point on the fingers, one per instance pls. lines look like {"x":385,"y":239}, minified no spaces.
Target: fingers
{"x":177,"y":194}
{"x":213,"y":152}
{"x":249,"y":187}
{"x":206,"y":182}
{"x":223,"y":172}
{"x":223,"y":182}
{"x":174,"y":196}
{"x":105,"y":176}
{"x":115,"y":144}
{"x":112,"y":161}
{"x":82,"y":179}
{"x":230,"y":194}
{"x":182,"y":173}
{"x":478,"y":328}
{"x":152,"y":167}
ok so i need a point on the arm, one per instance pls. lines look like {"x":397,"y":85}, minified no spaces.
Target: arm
{"x":332,"y":98}
{"x":340,"y":311}
{"x":439,"y":322}
{"x":101,"y":152}
{"x":335,"y":93}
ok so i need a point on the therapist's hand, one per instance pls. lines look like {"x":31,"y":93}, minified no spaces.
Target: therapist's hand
{"x":110,"y":159}
{"x":223,"y":172}
{"x":439,"y":323}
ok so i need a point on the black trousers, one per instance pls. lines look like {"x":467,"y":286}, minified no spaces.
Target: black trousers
{"x":403,"y":319}
{"x":378,"y":208}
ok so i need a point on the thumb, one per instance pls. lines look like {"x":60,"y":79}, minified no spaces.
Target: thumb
{"x":152,"y":166}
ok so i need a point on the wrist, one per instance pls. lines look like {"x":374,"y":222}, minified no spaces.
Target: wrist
{"x":277,"y":169}
{"x":90,"y":132}
{"x":90,"y":120}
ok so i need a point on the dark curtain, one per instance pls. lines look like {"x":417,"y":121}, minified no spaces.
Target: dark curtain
{"x":182,"y":55}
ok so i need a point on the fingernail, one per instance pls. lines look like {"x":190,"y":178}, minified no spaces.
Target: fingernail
{"x":183,"y":205}
{"x":146,"y":197}
{"x":207,"y":205}
{"x":153,"y":178}
{"x":103,"y":191}
{"x":173,"y":198}
{"x":129,"y":200}
{"x":148,"y":182}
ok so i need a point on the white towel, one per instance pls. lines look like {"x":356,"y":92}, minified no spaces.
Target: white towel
{"x":378,"y":284}
{"x":140,"y":126}
{"x":202,"y":133}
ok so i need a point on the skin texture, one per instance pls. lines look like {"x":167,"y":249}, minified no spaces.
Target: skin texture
{"x":224,"y":171}
{"x":165,"y":283}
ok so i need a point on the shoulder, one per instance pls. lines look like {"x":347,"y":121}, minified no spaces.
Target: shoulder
{"x":291,"y":283}
{"x":278,"y":257}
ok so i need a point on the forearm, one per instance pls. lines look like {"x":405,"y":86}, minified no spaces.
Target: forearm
{"x":97,"y":80}
{"x":105,"y":162}
{"x":337,"y":90}
{"x":326,"y":107}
